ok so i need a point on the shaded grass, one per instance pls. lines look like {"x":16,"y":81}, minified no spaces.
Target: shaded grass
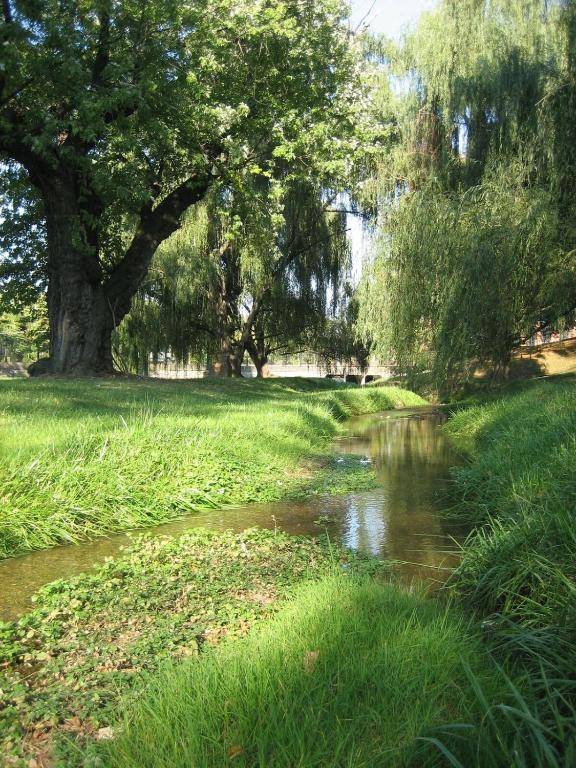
{"x":65,"y":665}
{"x":519,"y":565}
{"x":82,"y":458}
{"x":350,"y":674}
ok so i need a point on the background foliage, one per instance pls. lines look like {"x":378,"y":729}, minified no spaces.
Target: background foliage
{"x":477,"y":206}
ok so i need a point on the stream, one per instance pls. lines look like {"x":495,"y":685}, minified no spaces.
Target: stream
{"x":400,"y":520}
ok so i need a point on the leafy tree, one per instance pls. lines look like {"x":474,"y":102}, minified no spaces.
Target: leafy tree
{"x":250,"y":271}
{"x":116,"y":117}
{"x":477,"y":200}
{"x":22,"y":244}
{"x":24,"y":336}
{"x":340,"y":341}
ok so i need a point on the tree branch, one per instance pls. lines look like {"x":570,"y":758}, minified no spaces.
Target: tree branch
{"x":201,"y":327}
{"x":289,"y":256}
{"x":250,"y":320}
{"x":155,"y":225}
{"x":102,"y":57}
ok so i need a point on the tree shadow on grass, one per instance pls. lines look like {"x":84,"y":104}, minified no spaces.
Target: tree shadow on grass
{"x":349,"y":674}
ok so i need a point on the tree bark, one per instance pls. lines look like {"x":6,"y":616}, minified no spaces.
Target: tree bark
{"x":232,"y":348}
{"x":84,"y":306}
{"x":262,"y":369}
{"x":230,"y":359}
{"x":81,"y":323}
{"x":259,"y":357}
{"x":236,"y":360}
{"x":257,"y":348}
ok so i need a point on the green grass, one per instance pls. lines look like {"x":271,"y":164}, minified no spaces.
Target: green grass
{"x":127,"y":668}
{"x":82,"y":458}
{"x":520,"y":491}
{"x":519,"y":565}
{"x":65,"y":665}
{"x":350,"y":674}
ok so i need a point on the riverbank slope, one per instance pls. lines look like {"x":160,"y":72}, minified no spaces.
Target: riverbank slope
{"x":517,"y":583}
{"x":246,"y":649}
{"x":518,"y":570}
{"x":83,"y":458}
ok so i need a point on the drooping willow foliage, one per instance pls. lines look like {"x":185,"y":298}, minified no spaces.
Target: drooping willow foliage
{"x":168,"y":301}
{"x":253,"y":269}
{"x":477,"y":198}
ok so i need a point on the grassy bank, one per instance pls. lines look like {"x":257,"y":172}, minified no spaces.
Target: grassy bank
{"x":81,"y":458}
{"x":257,"y":649}
{"x":150,"y":661}
{"x":349,"y":674}
{"x":519,"y":567}
{"x":65,"y":665}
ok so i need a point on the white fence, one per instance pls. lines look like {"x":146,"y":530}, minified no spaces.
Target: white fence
{"x":550,"y":337}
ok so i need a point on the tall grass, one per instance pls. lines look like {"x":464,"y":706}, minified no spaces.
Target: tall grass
{"x":350,"y":674}
{"x":519,"y":566}
{"x":82,"y":458}
{"x":519,"y":489}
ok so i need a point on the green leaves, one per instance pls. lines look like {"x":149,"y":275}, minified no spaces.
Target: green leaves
{"x":479,"y":217}
{"x":131,"y":102}
{"x":66,"y":664}
{"x":208,"y":71}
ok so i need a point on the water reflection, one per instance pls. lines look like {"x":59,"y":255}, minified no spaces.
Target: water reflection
{"x":399,"y":521}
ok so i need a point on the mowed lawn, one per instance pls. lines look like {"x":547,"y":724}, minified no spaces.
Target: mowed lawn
{"x":81,"y":458}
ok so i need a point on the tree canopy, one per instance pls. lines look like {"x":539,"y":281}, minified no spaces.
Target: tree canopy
{"x":476,"y":196}
{"x":252,"y":270}
{"x":116,"y":117}
{"x":171,"y":177}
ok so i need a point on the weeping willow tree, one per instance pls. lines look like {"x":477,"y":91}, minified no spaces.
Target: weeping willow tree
{"x":339,"y":345}
{"x":256,"y":268}
{"x":476,"y":198}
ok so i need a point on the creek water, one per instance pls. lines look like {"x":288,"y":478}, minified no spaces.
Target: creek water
{"x":400,"y":520}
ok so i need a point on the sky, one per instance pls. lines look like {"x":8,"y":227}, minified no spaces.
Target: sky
{"x":389,"y":17}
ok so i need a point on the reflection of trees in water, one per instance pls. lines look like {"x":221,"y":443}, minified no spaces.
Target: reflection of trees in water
{"x":365,"y":525}
{"x":412,"y":459}
{"x":416,"y":442}
{"x":382,"y":527}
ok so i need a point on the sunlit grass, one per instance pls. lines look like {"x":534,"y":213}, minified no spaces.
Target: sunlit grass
{"x":519,"y":565}
{"x":78,"y":459}
{"x":351,"y":674}
{"x":88,"y":639}
{"x":519,"y":488}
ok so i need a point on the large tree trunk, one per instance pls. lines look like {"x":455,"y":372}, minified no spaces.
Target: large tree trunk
{"x":262,"y":369}
{"x":236,"y":360}
{"x":256,"y":343}
{"x":259,"y":358}
{"x":81,"y":320}
{"x":230,"y":359}
{"x":231,"y":352}
{"x":84,"y":306}
{"x":81,"y":326}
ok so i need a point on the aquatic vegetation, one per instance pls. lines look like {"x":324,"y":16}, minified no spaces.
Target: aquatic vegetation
{"x":350,"y":674}
{"x":64,"y":666}
{"x":82,"y":458}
